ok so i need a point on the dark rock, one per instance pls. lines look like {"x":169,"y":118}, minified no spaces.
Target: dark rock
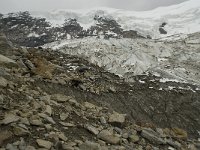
{"x":162,"y":31}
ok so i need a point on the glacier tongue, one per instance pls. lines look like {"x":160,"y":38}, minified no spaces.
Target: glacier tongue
{"x":128,"y":57}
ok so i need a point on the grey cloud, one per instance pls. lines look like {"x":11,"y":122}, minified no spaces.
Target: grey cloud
{"x":48,"y":5}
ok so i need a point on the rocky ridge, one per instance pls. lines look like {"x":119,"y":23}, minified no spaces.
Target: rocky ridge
{"x":51,"y":100}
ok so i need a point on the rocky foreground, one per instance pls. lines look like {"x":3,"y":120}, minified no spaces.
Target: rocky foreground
{"x":50,"y":100}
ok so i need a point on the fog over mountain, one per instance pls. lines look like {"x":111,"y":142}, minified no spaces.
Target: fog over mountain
{"x":45,"y":5}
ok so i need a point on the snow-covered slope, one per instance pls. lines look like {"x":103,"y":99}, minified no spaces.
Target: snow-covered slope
{"x":183,"y":18}
{"x":128,"y":57}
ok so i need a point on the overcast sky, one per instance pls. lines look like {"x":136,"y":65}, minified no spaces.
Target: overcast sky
{"x":48,"y":5}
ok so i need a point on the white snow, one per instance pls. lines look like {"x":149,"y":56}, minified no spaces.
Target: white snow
{"x":164,"y":80}
{"x":33,"y":35}
{"x":181,"y":18}
{"x":141,"y":81}
{"x":126,"y":57}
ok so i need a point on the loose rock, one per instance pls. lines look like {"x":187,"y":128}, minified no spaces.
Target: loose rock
{"x":44,"y":143}
{"x":152,"y":136}
{"x":108,"y":137}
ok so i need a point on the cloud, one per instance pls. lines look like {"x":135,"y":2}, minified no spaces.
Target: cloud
{"x":44,"y":5}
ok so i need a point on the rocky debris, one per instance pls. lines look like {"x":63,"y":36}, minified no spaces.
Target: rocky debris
{"x":43,"y":113}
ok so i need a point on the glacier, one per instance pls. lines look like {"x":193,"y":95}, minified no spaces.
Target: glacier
{"x":174,"y":57}
{"x":181,"y":19}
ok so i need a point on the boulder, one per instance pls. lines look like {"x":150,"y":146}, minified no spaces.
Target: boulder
{"x":152,"y":136}
{"x":108,"y":137}
{"x":44,"y":144}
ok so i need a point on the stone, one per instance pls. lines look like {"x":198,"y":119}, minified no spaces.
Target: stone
{"x":176,"y":133}
{"x":118,"y":130}
{"x":48,"y":126}
{"x":30,"y":148}
{"x":60,"y":98}
{"x":89,"y":105}
{"x":62,"y":137}
{"x":36,"y":122}
{"x":24,"y":121}
{"x":179,"y":133}
{"x":108,"y":137}
{"x":103,"y":120}
{"x":3,"y":82}
{"x":174,"y":144}
{"x":5,"y":135}
{"x":20,"y":131}
{"x":9,"y":118}
{"x":91,"y":129}
{"x":67,"y":147}
{"x":5,"y":60}
{"x":73,"y":102}
{"x":79,"y":142}
{"x":22,"y":144}
{"x":152,"y":136}
{"x":48,"y":110}
{"x":64,"y":116}
{"x":125,"y":135}
{"x":46,"y":99}
{"x":11,"y":147}
{"x":133,"y":138}
{"x":66,"y":124}
{"x":47,"y":118}
{"x":1,"y":99}
{"x":117,"y":118}
{"x":36,"y":105}
{"x":44,"y":144}
{"x":87,"y":145}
